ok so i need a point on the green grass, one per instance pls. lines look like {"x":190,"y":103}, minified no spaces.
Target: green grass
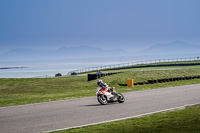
{"x":181,"y":121}
{"x":148,"y":68}
{"x":21,"y":91}
{"x":35,"y":90}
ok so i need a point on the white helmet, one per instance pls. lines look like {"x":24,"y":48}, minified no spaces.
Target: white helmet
{"x":99,"y":81}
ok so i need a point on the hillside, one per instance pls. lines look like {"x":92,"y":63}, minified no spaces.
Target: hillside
{"x":61,"y":53}
{"x":176,"y":47}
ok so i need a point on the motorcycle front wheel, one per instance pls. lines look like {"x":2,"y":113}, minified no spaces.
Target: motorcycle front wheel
{"x":120,"y":98}
{"x":102,"y":99}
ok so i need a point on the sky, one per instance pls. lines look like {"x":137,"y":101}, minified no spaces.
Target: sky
{"x":131,"y":25}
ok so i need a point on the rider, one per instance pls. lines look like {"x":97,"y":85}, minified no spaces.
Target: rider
{"x":103,"y":85}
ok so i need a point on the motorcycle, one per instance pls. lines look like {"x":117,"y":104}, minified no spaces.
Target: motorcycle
{"x":104,"y":96}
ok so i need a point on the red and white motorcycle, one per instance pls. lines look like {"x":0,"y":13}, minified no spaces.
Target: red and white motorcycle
{"x":104,"y":96}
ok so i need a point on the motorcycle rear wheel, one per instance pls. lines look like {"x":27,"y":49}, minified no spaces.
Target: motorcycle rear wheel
{"x":102,"y":99}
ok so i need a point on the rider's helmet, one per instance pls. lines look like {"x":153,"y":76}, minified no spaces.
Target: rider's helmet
{"x":99,"y":81}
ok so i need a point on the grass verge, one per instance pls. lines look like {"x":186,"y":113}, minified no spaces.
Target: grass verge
{"x":183,"y":121}
{"x":21,"y":91}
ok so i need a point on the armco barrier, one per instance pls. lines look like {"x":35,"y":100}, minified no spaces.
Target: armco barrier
{"x":161,"y":65}
{"x":142,"y":64}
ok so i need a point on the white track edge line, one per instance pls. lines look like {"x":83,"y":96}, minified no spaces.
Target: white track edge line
{"x":125,"y":118}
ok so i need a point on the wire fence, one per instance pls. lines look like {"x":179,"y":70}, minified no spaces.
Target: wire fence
{"x":98,"y":68}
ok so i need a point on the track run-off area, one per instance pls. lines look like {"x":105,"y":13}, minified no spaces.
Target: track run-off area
{"x":58,"y":115}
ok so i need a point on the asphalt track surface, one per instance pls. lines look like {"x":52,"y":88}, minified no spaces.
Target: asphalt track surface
{"x":69,"y":113}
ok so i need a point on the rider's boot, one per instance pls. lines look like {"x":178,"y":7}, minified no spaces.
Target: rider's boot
{"x":112,"y":91}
